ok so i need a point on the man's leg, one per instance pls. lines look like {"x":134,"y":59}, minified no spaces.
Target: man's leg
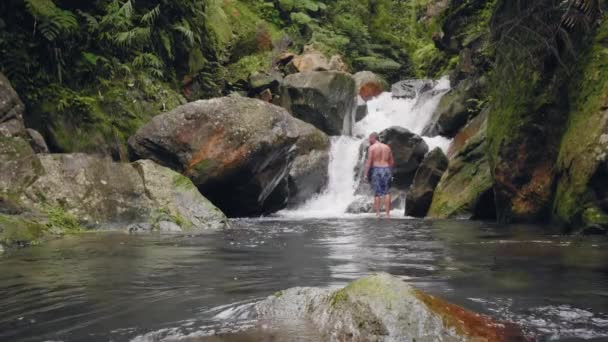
{"x":377,"y":205}
{"x":387,"y":204}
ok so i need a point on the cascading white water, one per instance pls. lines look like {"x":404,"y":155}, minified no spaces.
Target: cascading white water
{"x":383,"y":112}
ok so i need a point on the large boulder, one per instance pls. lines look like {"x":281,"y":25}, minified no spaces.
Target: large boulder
{"x":100,"y":192}
{"x":309,"y":172}
{"x":420,"y":194}
{"x":20,"y":168}
{"x":369,"y":85}
{"x":11,"y":109}
{"x":581,"y":199}
{"x":465,"y":189}
{"x":323,"y":99}
{"x":236,"y":150}
{"x":408,"y":149}
{"x":382,"y":308}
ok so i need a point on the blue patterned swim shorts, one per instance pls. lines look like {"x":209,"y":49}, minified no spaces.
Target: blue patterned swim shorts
{"x":381,"y":180}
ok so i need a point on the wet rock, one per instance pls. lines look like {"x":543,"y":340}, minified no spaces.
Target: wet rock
{"x":236,"y":150}
{"x":467,"y":132}
{"x":361,"y":111}
{"x":324,"y":99}
{"x":309,"y":172}
{"x":409,"y":89}
{"x":140,"y":227}
{"x":408,"y":149}
{"x":452,"y":112}
{"x":383,"y":308}
{"x":11,"y":109}
{"x":466,"y":188}
{"x":37,"y":141}
{"x":420,"y":194}
{"x":369,"y":85}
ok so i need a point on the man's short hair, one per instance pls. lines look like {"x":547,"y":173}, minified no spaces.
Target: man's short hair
{"x":374,"y":135}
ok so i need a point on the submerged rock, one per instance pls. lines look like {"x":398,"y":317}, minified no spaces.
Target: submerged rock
{"x":420,"y":194}
{"x":324,"y":99}
{"x":236,"y":150}
{"x":383,"y":308}
{"x":409,"y":150}
{"x":309,"y":172}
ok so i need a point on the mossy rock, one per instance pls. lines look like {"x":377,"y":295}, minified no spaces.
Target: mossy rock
{"x":463,"y":187}
{"x":584,"y":146}
{"x":386,"y":67}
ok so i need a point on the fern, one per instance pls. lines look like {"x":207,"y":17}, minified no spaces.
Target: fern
{"x":150,"y":17}
{"x":167,"y":44}
{"x":53,"y":20}
{"x":183,"y":27}
{"x":138,"y":35}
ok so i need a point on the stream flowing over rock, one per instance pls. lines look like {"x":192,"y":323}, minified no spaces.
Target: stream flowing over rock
{"x":236,"y":150}
{"x":325,"y":99}
{"x":420,"y":194}
{"x":383,"y":308}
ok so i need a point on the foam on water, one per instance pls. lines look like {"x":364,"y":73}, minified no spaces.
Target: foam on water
{"x":383,"y":112}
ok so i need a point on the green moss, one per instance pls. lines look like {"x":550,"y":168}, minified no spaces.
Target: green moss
{"x":466,"y":180}
{"x":278,"y":294}
{"x":595,"y":216}
{"x":166,"y":214}
{"x":21,"y":231}
{"x":61,"y":222}
{"x":182,"y":182}
{"x":581,"y":148}
{"x":247,"y":65}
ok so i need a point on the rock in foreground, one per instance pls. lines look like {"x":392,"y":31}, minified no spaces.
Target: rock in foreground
{"x":384,"y":308}
{"x":236,"y":150}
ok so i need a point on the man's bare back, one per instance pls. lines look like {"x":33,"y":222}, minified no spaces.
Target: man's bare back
{"x":380,"y":155}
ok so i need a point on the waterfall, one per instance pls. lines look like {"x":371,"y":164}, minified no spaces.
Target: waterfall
{"x":383,"y":112}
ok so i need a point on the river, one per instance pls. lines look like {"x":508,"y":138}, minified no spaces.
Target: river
{"x":121,"y":287}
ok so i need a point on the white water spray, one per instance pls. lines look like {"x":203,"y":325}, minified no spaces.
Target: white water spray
{"x":384,"y":112}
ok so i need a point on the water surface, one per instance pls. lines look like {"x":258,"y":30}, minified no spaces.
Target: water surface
{"x":120,"y":287}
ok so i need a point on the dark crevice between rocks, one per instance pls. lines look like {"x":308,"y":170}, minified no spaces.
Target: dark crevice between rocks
{"x":485,"y":209}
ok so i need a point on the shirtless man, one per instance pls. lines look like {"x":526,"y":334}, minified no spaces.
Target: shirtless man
{"x":378,"y":170}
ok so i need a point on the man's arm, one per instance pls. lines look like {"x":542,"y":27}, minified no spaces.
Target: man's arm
{"x":368,"y":163}
{"x":391,"y":161}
